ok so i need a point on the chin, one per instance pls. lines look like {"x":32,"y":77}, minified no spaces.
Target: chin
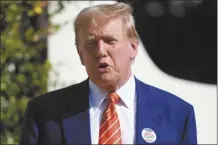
{"x":107,"y":77}
{"x":108,"y":80}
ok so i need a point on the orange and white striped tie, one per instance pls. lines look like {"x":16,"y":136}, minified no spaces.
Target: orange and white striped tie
{"x":110,"y":132}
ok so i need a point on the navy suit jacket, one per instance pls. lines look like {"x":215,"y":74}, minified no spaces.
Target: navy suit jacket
{"x":61,"y":117}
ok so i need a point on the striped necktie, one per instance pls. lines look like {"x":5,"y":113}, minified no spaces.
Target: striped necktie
{"x":110,"y":132}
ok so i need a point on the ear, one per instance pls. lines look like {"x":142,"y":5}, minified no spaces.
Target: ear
{"x":80,"y":56}
{"x":134,"y":48}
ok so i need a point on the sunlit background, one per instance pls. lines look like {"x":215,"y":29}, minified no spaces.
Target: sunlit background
{"x":177,"y":53}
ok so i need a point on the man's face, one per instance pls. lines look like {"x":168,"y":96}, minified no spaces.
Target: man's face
{"x":106,"y":53}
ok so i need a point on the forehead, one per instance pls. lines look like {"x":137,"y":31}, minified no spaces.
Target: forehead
{"x":112,"y":28}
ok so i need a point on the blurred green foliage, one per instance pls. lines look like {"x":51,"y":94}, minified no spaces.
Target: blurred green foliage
{"x":24,"y":27}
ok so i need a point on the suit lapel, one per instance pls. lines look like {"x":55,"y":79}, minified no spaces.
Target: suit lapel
{"x":76,"y":124}
{"x":146,"y":115}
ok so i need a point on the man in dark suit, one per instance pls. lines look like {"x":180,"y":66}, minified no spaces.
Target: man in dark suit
{"x":112,"y":106}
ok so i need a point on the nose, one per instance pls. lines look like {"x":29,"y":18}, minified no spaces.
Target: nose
{"x":101,"y":49}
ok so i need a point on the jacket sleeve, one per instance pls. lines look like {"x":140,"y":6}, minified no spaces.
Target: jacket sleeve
{"x":190,"y":132}
{"x":29,"y":129}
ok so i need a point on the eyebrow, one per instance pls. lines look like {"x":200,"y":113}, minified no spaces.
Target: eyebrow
{"x":92,"y":37}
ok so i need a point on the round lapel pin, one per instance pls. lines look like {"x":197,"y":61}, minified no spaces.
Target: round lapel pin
{"x":149,"y":135}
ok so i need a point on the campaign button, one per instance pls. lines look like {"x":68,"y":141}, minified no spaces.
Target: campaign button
{"x":149,"y":135}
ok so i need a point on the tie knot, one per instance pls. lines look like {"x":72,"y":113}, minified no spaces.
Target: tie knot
{"x":113,"y":97}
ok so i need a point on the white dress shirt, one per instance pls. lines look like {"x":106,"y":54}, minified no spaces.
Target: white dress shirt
{"x":125,"y":109}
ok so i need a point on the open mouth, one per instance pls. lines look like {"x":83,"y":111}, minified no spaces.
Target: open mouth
{"x":103,"y":65}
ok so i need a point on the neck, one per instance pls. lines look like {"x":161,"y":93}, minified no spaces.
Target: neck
{"x":114,"y":87}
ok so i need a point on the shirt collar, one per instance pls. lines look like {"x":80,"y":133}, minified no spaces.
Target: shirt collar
{"x":97,"y":94}
{"x":126,"y":93}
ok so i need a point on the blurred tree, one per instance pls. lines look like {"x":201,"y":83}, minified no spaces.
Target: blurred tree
{"x":24,"y":68}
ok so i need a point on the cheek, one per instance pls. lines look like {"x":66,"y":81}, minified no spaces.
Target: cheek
{"x":88,"y":57}
{"x":121,"y":58}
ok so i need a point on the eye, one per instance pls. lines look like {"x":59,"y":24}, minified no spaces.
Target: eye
{"x":110,"y":41}
{"x":91,"y":44}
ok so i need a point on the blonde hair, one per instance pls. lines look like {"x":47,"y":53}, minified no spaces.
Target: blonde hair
{"x":108,"y":12}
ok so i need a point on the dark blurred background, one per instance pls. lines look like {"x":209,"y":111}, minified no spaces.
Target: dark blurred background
{"x":180,"y":36}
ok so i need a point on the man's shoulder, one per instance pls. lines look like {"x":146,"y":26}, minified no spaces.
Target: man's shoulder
{"x":165,"y":98}
{"x":53,"y":104}
{"x":59,"y":95}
